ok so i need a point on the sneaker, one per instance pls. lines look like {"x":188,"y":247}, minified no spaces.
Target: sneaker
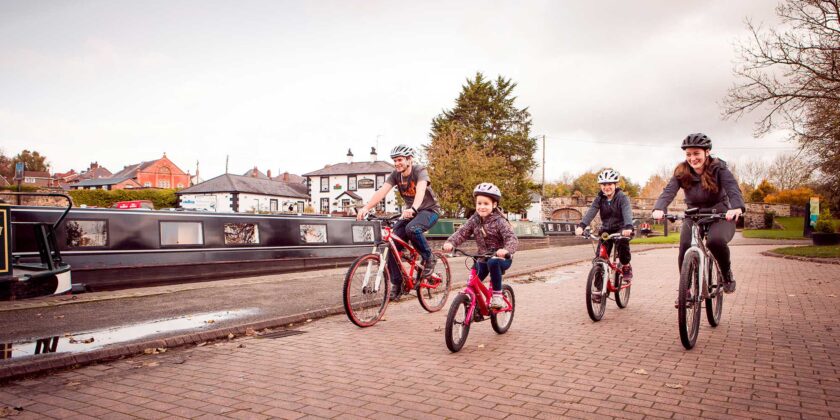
{"x":728,"y":282}
{"x":497,"y":301}
{"x":428,"y":266}
{"x":627,"y":273}
{"x":396,"y":293}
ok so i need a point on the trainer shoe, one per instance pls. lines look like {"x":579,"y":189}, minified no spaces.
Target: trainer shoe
{"x":396,"y":292}
{"x":728,"y":282}
{"x":627,"y":273}
{"x":428,"y":266}
{"x":497,"y":301}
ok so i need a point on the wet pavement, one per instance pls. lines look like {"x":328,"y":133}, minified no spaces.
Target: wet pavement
{"x":773,"y":356}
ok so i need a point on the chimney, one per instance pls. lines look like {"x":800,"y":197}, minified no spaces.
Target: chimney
{"x":349,"y":156}
{"x":286,"y":176}
{"x":94,"y":165}
{"x":268,"y":173}
{"x":373,"y":156}
{"x":254,"y":172}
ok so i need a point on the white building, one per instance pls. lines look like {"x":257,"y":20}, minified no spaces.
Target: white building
{"x":243,"y":194}
{"x":345,"y":187}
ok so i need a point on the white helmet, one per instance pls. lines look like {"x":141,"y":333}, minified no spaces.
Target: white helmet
{"x":402,"y":150}
{"x":609,"y":176}
{"x":489,"y":190}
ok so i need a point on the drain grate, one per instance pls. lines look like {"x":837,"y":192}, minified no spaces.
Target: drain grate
{"x":281,"y":334}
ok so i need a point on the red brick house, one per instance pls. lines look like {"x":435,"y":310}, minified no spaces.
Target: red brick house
{"x":67,"y":179}
{"x":160,"y":173}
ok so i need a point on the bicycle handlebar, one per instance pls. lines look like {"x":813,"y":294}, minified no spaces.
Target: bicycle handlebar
{"x":587,"y":234}
{"x":456,"y":251}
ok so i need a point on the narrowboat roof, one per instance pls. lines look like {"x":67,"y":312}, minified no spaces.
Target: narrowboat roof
{"x":246,"y":184}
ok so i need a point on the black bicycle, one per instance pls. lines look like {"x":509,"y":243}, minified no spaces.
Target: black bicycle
{"x":700,"y":277}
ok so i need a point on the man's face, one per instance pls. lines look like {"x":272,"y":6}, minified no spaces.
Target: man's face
{"x":401,"y":163}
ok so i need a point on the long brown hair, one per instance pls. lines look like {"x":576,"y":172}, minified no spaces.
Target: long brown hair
{"x":708,"y":181}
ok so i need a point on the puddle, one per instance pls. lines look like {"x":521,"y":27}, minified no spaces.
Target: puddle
{"x":92,"y":340}
{"x":567,"y":274}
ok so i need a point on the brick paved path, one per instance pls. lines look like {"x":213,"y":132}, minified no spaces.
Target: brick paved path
{"x":775,"y":355}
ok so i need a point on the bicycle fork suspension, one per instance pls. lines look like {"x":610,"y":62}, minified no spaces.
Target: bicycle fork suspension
{"x":383,"y":259}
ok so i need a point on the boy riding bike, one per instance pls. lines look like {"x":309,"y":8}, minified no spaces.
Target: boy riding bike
{"x":421,"y":214}
{"x":491,"y":231}
{"x":616,"y":215}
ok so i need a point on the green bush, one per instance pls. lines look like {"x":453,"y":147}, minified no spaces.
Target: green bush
{"x":161,"y":198}
{"x":824,"y":223}
{"x":769,"y":216}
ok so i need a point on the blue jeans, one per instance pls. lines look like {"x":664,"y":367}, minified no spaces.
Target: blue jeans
{"x":495,"y":267}
{"x":412,"y":230}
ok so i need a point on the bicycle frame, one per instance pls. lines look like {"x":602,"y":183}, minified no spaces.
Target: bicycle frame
{"x":392,"y":241}
{"x":479,"y":296}
{"x":609,"y":265}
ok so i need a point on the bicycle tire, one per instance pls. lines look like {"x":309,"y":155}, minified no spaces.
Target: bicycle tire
{"x":501,"y":321}
{"x":365,"y":307}
{"x":596,"y":309}
{"x":622,"y":296}
{"x":689,"y":318}
{"x":433,"y":299}
{"x":460,"y":305}
{"x":714,"y":304}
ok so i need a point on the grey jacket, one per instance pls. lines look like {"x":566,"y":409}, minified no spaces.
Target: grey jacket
{"x":615,"y":213}
{"x":490,"y":234}
{"x":727,"y":197}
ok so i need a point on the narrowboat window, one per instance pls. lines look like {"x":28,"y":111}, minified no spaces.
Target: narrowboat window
{"x":84,"y":233}
{"x":313,"y":234}
{"x":362,"y":233}
{"x":241,"y":234}
{"x":181,"y":233}
{"x":551,"y":227}
{"x":568,"y":228}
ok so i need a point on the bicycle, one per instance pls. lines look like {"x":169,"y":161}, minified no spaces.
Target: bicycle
{"x":367,"y":284}
{"x":700,"y":277}
{"x":603,"y":269}
{"x":473,"y":304}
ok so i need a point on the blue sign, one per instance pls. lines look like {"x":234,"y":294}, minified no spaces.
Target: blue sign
{"x":19,"y":170}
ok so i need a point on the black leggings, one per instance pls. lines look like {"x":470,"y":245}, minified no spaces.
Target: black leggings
{"x":622,"y":247}
{"x":720,"y":233}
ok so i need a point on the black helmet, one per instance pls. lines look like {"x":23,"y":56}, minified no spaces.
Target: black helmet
{"x":698,"y":140}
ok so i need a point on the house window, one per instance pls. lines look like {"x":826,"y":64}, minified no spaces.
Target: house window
{"x":163,"y":184}
{"x":351,"y":182}
{"x":325,"y":205}
{"x":325,"y":184}
{"x":86,"y":233}
{"x":180,"y":185}
{"x":147,"y":184}
{"x":241,"y":234}
{"x":272,"y":205}
{"x":380,"y":180}
{"x":29,"y":180}
{"x":181,"y":233}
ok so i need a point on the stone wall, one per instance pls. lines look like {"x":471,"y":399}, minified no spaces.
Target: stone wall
{"x":754,"y":218}
{"x":26,"y":200}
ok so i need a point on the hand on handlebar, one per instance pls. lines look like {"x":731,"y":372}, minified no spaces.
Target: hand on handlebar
{"x":362,"y":213}
{"x":448,"y":247}
{"x":657,"y":214}
{"x":733,"y":214}
{"x":502,"y":253}
{"x":627,"y":232}
{"x":578,"y":231}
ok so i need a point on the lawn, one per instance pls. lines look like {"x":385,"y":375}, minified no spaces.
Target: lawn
{"x":672,"y":238}
{"x":832,"y":251}
{"x":792,"y":230}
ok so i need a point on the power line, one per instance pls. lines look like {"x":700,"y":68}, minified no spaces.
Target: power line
{"x":660,"y":145}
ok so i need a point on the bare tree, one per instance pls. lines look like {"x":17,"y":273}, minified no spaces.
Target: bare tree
{"x":790,"y":171}
{"x":751,"y":171}
{"x":792,"y":76}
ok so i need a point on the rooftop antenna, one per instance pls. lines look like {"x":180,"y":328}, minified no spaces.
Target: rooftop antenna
{"x":227,"y":158}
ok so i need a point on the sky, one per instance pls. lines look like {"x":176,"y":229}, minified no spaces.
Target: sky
{"x":292,"y":85}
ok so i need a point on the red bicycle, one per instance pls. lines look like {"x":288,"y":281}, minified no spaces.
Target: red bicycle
{"x":605,"y":277}
{"x":367,"y":284}
{"x":463,"y":311}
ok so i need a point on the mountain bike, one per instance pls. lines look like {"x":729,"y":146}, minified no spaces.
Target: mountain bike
{"x":367,"y":284}
{"x":700,"y":277}
{"x":605,"y":272}
{"x":473,"y":305}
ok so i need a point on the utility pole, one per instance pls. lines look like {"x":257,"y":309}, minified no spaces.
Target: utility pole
{"x":543,"y":169}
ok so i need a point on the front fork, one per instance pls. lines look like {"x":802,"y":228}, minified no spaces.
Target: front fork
{"x":383,"y":260}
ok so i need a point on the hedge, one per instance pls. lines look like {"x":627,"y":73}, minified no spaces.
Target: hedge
{"x":161,"y":198}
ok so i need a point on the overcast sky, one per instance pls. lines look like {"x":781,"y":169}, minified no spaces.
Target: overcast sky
{"x":291,"y":85}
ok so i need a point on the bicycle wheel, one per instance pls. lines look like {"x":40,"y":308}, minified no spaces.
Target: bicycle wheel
{"x":457,"y":327}
{"x":501,"y":320}
{"x":714,"y":304}
{"x":688,"y":308}
{"x":596,"y":300}
{"x":433,"y":291}
{"x":622,"y":296}
{"x":365,"y":298}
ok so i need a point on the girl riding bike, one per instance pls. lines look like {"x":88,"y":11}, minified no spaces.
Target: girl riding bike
{"x":707,"y":183}
{"x":616,"y":215}
{"x":491,"y":231}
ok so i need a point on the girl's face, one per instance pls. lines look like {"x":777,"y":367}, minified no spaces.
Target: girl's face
{"x":608,"y":189}
{"x":484,"y":205}
{"x":696,"y":158}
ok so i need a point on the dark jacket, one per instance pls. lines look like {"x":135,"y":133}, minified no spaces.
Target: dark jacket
{"x":490,"y":234}
{"x":727,"y":197}
{"x":615,"y":213}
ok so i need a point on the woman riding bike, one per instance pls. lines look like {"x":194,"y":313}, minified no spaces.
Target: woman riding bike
{"x":707,"y":183}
